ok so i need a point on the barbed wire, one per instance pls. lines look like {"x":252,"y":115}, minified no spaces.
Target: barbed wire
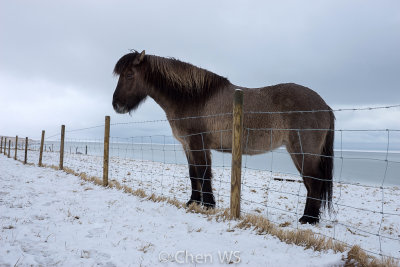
{"x":322,"y":110}
{"x":174,"y":119}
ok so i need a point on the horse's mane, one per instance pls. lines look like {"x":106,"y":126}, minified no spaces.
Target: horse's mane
{"x":180,"y":79}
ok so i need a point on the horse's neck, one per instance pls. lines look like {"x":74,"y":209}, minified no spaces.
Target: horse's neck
{"x":166,"y":102}
{"x":176,"y":108}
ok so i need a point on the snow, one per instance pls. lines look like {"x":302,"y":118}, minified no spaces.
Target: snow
{"x":49,"y":217}
{"x":357,"y":218}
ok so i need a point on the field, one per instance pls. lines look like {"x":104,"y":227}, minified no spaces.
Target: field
{"x":50,"y":217}
{"x":357,"y":217}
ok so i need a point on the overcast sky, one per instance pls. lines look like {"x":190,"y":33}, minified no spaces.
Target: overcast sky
{"x":56,"y":58}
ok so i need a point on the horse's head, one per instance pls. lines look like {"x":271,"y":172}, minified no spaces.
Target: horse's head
{"x":130,"y":91}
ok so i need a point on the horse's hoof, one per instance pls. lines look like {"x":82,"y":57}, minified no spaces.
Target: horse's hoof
{"x":191,"y":201}
{"x":209,"y":205}
{"x":308,"y":219}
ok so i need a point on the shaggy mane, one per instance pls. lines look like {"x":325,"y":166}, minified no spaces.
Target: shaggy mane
{"x":178,"y":78}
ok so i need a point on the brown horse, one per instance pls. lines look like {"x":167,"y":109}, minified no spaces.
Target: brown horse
{"x":272,"y":119}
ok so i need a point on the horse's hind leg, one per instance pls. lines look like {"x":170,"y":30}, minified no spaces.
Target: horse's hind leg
{"x":313,"y":181}
{"x":308,"y":166}
{"x":307,"y":162}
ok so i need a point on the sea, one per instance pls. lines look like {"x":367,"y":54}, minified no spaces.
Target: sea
{"x":365,"y":167}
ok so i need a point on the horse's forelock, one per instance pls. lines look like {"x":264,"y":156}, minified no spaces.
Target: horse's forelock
{"x":124,"y":63}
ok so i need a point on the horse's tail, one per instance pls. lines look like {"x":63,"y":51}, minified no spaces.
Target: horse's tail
{"x":326,"y":165}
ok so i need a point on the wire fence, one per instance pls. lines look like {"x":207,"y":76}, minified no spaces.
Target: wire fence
{"x":366,"y":193}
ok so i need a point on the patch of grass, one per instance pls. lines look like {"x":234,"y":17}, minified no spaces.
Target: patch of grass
{"x":305,"y":238}
{"x":285,"y":224}
{"x":357,"y":257}
{"x":145,"y":248}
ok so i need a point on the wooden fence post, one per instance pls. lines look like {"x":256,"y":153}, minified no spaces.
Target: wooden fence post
{"x":62,"y":147}
{"x":236,"y":153}
{"x":26,"y":150}
{"x":9,"y":145}
{"x":41,"y":149}
{"x":1,"y":144}
{"x":16,"y":146}
{"x":5,"y":145}
{"x":106,"y":150}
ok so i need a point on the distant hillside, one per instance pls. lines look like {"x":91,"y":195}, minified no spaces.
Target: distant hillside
{"x":20,"y":139}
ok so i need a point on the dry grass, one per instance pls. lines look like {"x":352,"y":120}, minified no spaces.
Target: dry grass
{"x":146,"y":247}
{"x":285,"y":224}
{"x":29,"y":164}
{"x":357,"y":257}
{"x":305,"y":238}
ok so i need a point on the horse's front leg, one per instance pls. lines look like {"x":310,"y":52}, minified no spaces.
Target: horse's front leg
{"x":196,"y":188}
{"x":200,"y":173}
{"x":203,"y":170}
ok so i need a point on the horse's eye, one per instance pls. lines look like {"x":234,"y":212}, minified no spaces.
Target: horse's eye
{"x":129,"y":76}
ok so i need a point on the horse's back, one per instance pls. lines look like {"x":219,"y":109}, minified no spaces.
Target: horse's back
{"x":283,"y":98}
{"x":273,"y":116}
{"x":279,"y":106}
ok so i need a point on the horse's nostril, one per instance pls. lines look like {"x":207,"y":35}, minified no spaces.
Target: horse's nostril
{"x":115,"y":103}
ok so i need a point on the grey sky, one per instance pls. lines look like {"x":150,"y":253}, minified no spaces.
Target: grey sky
{"x":56,"y":59}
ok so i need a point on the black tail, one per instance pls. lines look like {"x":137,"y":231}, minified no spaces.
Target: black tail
{"x":326,"y":166}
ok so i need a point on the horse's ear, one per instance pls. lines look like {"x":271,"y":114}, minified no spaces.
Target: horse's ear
{"x":139,"y":58}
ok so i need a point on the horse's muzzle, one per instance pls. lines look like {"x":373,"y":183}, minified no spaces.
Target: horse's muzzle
{"x":119,"y":108}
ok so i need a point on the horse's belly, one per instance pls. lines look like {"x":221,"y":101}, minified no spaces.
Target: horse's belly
{"x":254,"y":143}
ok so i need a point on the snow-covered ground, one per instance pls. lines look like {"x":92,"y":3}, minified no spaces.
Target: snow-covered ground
{"x":357,"y":218}
{"x":48,"y":217}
